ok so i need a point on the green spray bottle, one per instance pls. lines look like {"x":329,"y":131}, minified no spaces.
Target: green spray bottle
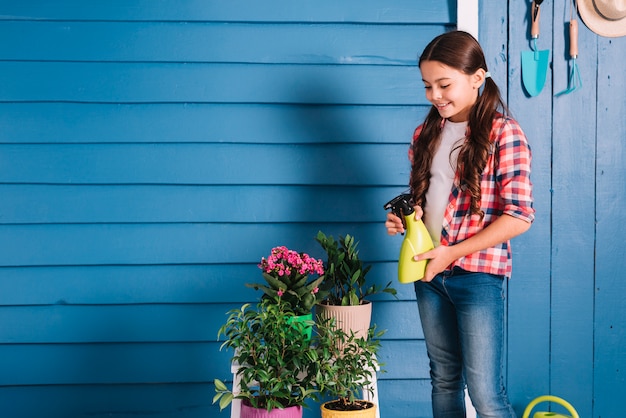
{"x":417,"y":240}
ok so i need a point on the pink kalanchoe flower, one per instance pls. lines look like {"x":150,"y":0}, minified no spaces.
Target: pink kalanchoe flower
{"x":290,"y":268}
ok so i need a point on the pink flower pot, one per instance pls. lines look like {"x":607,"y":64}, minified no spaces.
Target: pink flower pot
{"x":291,"y":412}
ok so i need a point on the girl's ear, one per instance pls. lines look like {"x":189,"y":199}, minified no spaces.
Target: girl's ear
{"x":478,"y":78}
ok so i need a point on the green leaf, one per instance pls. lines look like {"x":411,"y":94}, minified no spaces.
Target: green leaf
{"x":219,"y":385}
{"x":274,"y":282}
{"x":226,"y":400}
{"x":355,"y":277}
{"x":354,"y":299}
{"x":299,"y":282}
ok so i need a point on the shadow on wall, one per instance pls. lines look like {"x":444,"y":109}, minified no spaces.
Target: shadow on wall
{"x":340,"y":182}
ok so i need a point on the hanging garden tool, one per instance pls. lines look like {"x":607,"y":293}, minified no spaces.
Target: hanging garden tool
{"x":574,"y":82}
{"x":550,"y":398}
{"x":535,"y":62}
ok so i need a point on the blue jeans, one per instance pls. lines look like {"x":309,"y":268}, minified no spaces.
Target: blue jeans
{"x":462,"y":315}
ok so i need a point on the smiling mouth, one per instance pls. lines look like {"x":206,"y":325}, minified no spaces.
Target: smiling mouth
{"x":442,"y":105}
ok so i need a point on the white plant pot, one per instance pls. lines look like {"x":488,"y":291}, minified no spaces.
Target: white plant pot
{"x":348,"y":318}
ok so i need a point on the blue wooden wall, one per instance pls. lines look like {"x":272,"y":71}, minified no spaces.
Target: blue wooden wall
{"x":567,"y":321}
{"x":152,"y":152}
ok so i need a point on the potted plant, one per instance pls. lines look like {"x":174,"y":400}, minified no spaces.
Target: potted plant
{"x":346,"y":285}
{"x":276,"y":365}
{"x":287,"y":275}
{"x":346,"y":366}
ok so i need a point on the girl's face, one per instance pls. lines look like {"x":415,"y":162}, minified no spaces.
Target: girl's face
{"x":451,"y":91}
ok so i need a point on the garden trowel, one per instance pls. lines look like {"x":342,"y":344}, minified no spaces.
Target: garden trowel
{"x":535,"y":62}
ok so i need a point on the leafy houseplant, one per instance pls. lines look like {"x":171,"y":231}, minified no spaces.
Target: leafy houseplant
{"x":287,"y":275}
{"x":344,"y":278}
{"x":346,"y":365}
{"x":277,"y":366}
{"x":345,"y":282}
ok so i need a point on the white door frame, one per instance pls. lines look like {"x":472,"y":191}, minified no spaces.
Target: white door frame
{"x":467,"y":20}
{"x":467,"y":16}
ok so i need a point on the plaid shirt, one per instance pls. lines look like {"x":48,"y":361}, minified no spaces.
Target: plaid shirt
{"x":505,"y":189}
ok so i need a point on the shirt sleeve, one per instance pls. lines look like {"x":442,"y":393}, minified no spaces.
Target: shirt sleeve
{"x":513,"y":171}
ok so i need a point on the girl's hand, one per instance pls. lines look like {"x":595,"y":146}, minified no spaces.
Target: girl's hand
{"x":502,"y":229}
{"x":394,"y":223}
{"x":440,"y":257}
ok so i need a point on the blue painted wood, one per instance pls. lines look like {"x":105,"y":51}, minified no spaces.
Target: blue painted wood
{"x":43,"y":204}
{"x":80,"y":324}
{"x":104,"y":287}
{"x":214,"y":164}
{"x":393,"y":11}
{"x":123,"y":244}
{"x":407,"y":398}
{"x":573,"y":231}
{"x":226,"y":42}
{"x":112,"y":82}
{"x":141,"y":284}
{"x":183,"y":400}
{"x":529,"y":290}
{"x":609,"y":385}
{"x":113,"y":363}
{"x":166,"y":400}
{"x":118,"y":154}
{"x":151,"y":362}
{"x":221,"y":123}
{"x":70,"y":323}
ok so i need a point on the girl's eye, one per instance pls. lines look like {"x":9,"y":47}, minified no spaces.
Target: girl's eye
{"x":446,"y":86}
{"x":427,"y":87}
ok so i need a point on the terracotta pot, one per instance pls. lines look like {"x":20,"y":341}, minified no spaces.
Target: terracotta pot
{"x":349,"y":318}
{"x":362,"y":413}
{"x":249,"y":412}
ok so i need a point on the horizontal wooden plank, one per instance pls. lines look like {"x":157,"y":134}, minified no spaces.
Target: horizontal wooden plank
{"x":404,"y":359}
{"x":167,"y":400}
{"x":127,"y":284}
{"x":395,"y":11}
{"x":211,"y":83}
{"x":209,"y":164}
{"x":132,"y":363}
{"x":123,"y":244}
{"x":399,"y":319}
{"x":113,"y":323}
{"x":177,"y":400}
{"x":52,"y":364}
{"x":405,"y":398}
{"x":286,"y":43}
{"x":27,"y":203}
{"x":188,"y":122}
{"x":195,"y":284}
{"x":158,"y":322}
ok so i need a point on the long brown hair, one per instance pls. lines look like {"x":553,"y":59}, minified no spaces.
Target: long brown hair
{"x":461,"y":51}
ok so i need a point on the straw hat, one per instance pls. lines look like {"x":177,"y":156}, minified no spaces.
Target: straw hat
{"x":604,"y":17}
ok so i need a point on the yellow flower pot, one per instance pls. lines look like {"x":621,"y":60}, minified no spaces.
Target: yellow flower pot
{"x":362,"y":413}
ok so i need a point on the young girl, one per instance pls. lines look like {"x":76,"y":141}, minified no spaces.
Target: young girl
{"x":470,"y":179}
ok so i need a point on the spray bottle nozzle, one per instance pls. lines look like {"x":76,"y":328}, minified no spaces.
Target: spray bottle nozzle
{"x":401,"y":205}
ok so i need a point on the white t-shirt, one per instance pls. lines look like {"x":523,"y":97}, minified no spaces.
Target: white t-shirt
{"x":442,"y":172}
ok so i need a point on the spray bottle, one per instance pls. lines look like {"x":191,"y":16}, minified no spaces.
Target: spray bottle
{"x":416,"y":241}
